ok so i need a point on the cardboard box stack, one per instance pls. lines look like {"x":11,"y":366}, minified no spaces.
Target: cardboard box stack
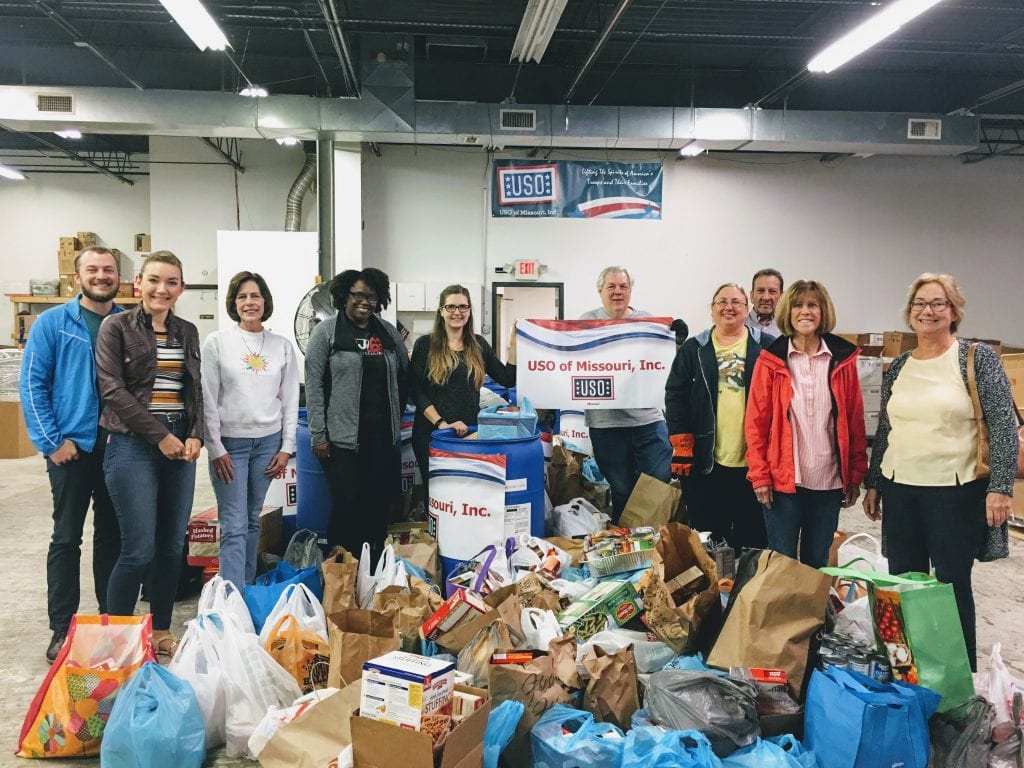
{"x":203,"y":536}
{"x":869,"y":371}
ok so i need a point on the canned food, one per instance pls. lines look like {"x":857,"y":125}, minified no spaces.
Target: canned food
{"x":880,"y":670}
{"x":860,"y":663}
{"x":834,"y":659}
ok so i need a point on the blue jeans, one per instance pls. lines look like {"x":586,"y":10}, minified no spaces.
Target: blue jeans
{"x":153,"y":499}
{"x":810,"y":517}
{"x":240,"y":502}
{"x":622,"y":453}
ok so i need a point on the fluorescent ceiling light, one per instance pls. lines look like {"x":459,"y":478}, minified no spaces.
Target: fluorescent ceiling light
{"x":254,"y":91}
{"x":197,"y":23}
{"x":692,"y":149}
{"x":538,"y":25}
{"x":872,"y":31}
{"x":287,"y":141}
{"x":10,"y":173}
{"x":70,"y":133}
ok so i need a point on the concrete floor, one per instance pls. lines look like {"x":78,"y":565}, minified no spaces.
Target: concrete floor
{"x":25,"y":515}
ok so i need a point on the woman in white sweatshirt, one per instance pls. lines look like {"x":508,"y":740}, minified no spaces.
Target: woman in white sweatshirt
{"x":251,"y":395}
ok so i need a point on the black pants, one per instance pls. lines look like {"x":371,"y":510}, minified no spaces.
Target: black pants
{"x":73,"y":485}
{"x":363,"y":484}
{"x":940,"y":526}
{"x":724,"y":503}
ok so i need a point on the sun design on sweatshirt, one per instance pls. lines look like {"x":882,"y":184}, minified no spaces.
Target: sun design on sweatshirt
{"x":256,"y":362}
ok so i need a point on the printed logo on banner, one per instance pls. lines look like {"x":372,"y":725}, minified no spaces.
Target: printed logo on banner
{"x":593,"y":388}
{"x":528,"y":184}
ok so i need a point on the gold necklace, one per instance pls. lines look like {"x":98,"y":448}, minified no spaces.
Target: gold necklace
{"x":254,"y":360}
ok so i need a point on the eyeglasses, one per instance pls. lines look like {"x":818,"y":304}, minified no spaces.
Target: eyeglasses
{"x":364,"y":298}
{"x":723,"y":303}
{"x":450,"y":308}
{"x":937,"y":305}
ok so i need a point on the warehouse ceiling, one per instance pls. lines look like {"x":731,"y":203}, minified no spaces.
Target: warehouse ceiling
{"x":960,"y":55}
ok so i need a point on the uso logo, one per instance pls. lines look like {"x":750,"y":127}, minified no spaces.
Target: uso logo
{"x":593,"y":388}
{"x":528,"y":184}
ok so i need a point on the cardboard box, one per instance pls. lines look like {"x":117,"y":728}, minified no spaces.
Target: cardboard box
{"x":379,"y":745}
{"x":270,"y":530}
{"x":143,"y":243}
{"x":863,"y":339}
{"x":69,"y":244}
{"x":895,"y":343}
{"x":453,"y":611}
{"x":68,"y":286}
{"x":203,"y":536}
{"x":872,"y":396}
{"x":86,"y":239}
{"x":609,"y":599}
{"x":65,"y":263}
{"x":1017,"y":509}
{"x":14,"y":442}
{"x":870,"y":423}
{"x":403,"y":688}
{"x":23,"y":324}
{"x":1014,"y":367}
{"x":869,"y":371}
{"x":126,"y":290}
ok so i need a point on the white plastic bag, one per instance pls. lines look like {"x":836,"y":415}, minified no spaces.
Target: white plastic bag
{"x":1000,"y":687}
{"x":540,"y":627}
{"x":855,"y":621}
{"x":389,"y":572}
{"x":578,"y":518}
{"x":222,"y":597}
{"x":254,"y":683}
{"x":198,"y":663}
{"x":861,"y":547}
{"x":572,"y":590}
{"x":526,"y":558}
{"x":297,"y":600}
{"x":650,"y":655}
{"x":276,"y":719}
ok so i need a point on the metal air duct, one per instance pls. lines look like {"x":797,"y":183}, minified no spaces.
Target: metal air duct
{"x":301,"y":185}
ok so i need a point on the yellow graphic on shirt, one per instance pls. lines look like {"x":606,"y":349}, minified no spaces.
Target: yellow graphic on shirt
{"x":730,"y":445}
{"x":256,"y":362}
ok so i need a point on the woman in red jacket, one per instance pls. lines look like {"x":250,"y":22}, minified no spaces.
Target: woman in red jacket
{"x":806,"y":444}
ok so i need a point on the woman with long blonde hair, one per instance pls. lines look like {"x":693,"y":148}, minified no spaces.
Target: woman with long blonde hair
{"x":448,"y":369}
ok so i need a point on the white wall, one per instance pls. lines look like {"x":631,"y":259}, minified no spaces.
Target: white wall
{"x":190,"y":200}
{"x":35,"y":213}
{"x":865,"y":227}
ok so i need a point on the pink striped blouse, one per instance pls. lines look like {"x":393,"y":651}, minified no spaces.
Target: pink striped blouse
{"x":810,"y":414}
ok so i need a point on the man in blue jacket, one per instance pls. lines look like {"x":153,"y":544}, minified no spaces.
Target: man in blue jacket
{"x":61,"y":403}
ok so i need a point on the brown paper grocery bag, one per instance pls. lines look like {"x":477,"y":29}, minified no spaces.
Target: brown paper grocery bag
{"x":612,"y":694}
{"x":412,"y":542}
{"x":773,"y":618}
{"x":538,"y":685}
{"x":535,"y":592}
{"x":411,"y":605}
{"x":314,"y":738}
{"x":356,"y":637}
{"x":681,"y":626}
{"x":652,"y":503}
{"x":565,"y":477}
{"x":340,"y":582}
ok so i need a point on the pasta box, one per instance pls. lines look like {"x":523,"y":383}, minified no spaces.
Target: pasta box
{"x":610,"y":599}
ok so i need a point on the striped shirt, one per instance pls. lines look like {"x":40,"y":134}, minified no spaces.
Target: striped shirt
{"x":169,"y":384}
{"x":810,"y":412}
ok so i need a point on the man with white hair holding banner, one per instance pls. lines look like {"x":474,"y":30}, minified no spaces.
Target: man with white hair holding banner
{"x":626,"y":442}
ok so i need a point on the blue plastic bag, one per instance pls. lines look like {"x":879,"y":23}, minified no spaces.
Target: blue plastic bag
{"x":261,"y":597}
{"x":693,"y":663}
{"x":564,"y":736}
{"x":761,"y":754}
{"x":415,"y":570}
{"x":155,"y":723}
{"x":854,"y":722}
{"x":501,"y":726}
{"x":592,"y":472}
{"x":792,"y":747}
{"x":647,"y":746}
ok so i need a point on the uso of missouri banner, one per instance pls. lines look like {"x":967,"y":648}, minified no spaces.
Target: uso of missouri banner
{"x":580,"y":364}
{"x":572,"y":189}
{"x":467,"y":502}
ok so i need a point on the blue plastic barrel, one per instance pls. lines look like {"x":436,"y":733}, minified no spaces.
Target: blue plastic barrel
{"x":524,"y":460}
{"x":495,"y":387}
{"x":313,"y":499}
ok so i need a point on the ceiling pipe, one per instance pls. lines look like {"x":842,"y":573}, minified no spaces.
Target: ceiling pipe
{"x":325,"y":201}
{"x":80,"y":41}
{"x":301,"y":185}
{"x":337,"y":36}
{"x":613,"y":21}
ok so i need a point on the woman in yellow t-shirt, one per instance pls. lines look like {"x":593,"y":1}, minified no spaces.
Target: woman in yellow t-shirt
{"x":706,"y":396}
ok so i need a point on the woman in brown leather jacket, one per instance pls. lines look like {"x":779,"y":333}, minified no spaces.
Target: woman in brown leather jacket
{"x":147,"y":362}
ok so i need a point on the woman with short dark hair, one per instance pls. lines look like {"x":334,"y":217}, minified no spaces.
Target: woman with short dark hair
{"x":356,"y":389}
{"x":251,"y":395}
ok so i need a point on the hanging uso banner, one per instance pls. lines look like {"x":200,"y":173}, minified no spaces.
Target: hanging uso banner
{"x":571,"y":189}
{"x":467,"y":502}
{"x":580,"y":364}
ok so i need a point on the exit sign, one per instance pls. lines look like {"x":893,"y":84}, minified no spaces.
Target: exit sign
{"x":527,"y":269}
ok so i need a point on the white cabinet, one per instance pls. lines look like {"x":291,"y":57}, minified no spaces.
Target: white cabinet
{"x":409,"y":297}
